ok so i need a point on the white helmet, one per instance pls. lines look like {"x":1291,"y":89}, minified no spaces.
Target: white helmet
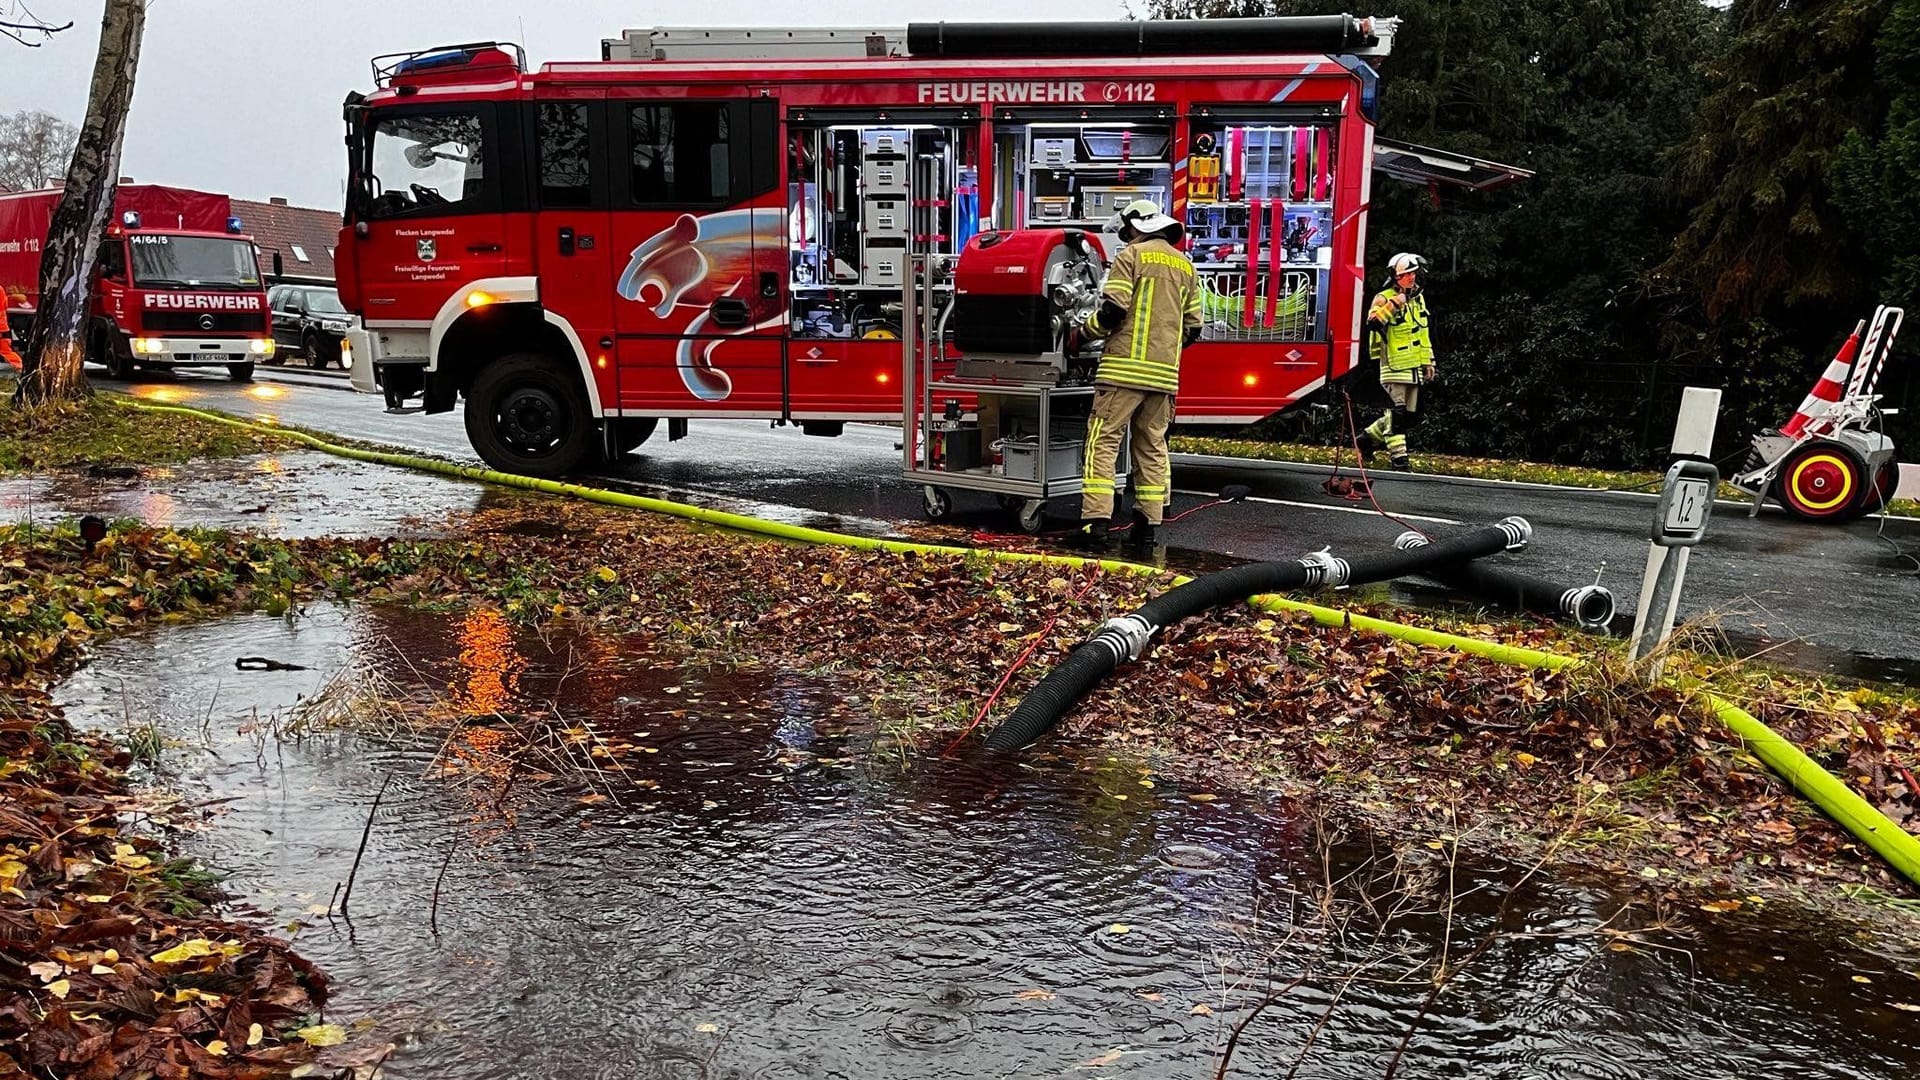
{"x":1406,"y":263}
{"x":1143,"y":214}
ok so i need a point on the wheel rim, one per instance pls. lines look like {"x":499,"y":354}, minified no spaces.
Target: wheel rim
{"x":531,"y":421}
{"x":1821,"y":483}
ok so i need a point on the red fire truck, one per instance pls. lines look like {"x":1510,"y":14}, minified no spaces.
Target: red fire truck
{"x":719,"y":223}
{"x":177,"y":283}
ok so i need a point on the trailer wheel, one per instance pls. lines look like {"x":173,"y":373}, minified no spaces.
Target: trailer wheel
{"x":525,"y":414}
{"x":1032,"y":516}
{"x":1874,"y":497}
{"x":935,"y":503}
{"x":1820,"y":482}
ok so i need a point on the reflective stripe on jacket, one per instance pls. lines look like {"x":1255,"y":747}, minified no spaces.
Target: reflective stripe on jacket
{"x":1157,"y":286}
{"x":1402,"y":343}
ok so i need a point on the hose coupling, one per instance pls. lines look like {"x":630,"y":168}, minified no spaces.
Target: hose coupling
{"x":1409,"y":540}
{"x":1325,"y":570}
{"x":1518,"y":531}
{"x":1591,"y":606}
{"x":1126,"y":637}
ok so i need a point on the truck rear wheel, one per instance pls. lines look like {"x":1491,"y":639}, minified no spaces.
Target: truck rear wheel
{"x":526,"y":414}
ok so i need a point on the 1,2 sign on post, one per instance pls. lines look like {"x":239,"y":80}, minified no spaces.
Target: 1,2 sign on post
{"x":1686,"y":502}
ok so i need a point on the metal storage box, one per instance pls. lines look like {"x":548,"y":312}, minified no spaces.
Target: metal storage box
{"x":1098,"y":203}
{"x":1133,"y":145}
{"x":884,"y":177}
{"x":883,"y":261}
{"x":887,"y":142}
{"x":1020,"y":458}
{"x":1053,"y":151}
{"x":886,"y":217}
{"x":1052,"y":207}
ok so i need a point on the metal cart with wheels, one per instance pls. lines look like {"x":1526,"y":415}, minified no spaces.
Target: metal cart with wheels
{"x":1014,"y":428}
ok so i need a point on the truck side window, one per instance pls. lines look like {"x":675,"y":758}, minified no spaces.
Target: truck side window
{"x":113,"y":261}
{"x":682,"y":154}
{"x":566,"y":163}
{"x":430,"y":163}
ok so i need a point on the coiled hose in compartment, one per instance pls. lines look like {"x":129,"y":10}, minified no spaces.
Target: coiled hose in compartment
{"x":1127,"y":637}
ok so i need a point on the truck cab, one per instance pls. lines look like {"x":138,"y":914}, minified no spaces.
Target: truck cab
{"x":176,"y":284}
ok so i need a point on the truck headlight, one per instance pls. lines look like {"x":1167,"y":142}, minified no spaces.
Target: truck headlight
{"x":146,"y":346}
{"x":259,"y":346}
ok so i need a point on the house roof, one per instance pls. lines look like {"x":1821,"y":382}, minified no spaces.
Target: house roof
{"x":293,"y":231}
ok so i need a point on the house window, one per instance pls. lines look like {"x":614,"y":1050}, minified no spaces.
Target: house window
{"x":300,"y":253}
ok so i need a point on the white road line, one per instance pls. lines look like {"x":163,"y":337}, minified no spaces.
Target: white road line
{"x":1368,"y":510}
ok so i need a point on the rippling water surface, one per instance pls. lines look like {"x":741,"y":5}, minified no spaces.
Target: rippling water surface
{"x":658,"y":872}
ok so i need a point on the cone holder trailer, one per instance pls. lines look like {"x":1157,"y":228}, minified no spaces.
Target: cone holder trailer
{"x":1829,"y":462}
{"x":945,"y":448}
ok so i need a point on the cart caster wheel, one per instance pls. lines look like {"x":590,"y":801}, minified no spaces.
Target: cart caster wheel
{"x":936,"y":504}
{"x":1032,"y":516}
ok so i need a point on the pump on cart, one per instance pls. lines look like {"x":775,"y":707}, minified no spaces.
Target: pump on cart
{"x":1831,"y":462}
{"x":998,"y":391}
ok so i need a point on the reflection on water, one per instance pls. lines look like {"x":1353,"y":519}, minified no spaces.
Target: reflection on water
{"x":665,"y":872}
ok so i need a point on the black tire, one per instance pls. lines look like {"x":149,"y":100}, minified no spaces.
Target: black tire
{"x":310,"y":351}
{"x":631,"y":432}
{"x":526,"y":414}
{"x":119,"y":366}
{"x":241,"y":372}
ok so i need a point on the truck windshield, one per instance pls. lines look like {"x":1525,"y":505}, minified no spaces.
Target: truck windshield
{"x":193,"y":261}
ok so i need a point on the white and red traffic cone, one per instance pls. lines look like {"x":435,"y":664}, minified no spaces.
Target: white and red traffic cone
{"x":1831,"y":387}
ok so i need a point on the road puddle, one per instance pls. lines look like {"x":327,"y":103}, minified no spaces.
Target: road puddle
{"x":590,"y":860}
{"x":297,"y":494}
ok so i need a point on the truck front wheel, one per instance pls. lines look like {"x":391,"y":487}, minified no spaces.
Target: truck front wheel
{"x":102,"y":349}
{"x":526,"y":414}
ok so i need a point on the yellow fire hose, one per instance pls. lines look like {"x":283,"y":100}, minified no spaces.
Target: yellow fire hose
{"x":1899,"y":848}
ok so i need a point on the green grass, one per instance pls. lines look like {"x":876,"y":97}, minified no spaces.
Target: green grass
{"x":98,"y":432}
{"x":1531,"y":472}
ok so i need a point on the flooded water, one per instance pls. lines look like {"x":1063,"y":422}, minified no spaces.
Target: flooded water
{"x":654,"y":871}
{"x":297,"y":494}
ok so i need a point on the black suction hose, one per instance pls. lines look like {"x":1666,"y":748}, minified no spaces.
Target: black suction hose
{"x":1126,"y":637}
{"x":1588,"y":606}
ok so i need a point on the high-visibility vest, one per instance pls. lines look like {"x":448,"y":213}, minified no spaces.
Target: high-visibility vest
{"x":1404,"y":344}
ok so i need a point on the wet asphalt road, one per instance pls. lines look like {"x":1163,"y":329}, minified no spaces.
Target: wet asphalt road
{"x":1823,"y":598}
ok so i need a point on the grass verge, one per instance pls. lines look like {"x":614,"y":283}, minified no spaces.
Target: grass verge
{"x":1457,"y":465}
{"x":97,"y":432}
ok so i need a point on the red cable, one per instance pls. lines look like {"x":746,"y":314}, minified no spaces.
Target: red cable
{"x":1353,"y":429}
{"x":1093,"y":578}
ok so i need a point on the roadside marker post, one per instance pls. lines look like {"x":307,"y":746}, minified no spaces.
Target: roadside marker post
{"x":1679,"y":521}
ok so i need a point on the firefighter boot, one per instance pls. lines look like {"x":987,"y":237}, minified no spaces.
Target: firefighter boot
{"x":1092,"y":535}
{"x":1401,"y":463}
{"x":1367,"y":446}
{"x":1140,"y":531}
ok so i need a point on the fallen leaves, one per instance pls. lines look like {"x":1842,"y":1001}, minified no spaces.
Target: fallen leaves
{"x":1034,"y":995}
{"x":322,"y":1035}
{"x":1721,"y":907}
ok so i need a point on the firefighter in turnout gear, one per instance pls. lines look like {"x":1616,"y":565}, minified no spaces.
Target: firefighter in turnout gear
{"x":1403,"y":345}
{"x":1149,"y":312}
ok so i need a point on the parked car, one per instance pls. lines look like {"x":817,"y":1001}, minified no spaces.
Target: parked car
{"x":309,"y":323}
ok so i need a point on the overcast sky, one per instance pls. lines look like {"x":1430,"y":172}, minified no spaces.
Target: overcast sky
{"x":243,"y":96}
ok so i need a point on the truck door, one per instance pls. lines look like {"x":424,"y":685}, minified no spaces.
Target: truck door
{"x":434,"y":215}
{"x":572,"y":241}
{"x":700,"y":255}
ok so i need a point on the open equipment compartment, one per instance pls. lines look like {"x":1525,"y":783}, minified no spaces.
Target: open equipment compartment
{"x":1260,"y":220}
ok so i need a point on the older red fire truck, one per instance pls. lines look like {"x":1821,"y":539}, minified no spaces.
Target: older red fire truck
{"x":719,"y":223}
{"x":177,"y":283}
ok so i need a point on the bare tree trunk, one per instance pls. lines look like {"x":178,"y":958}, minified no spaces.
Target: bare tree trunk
{"x":52,"y":364}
